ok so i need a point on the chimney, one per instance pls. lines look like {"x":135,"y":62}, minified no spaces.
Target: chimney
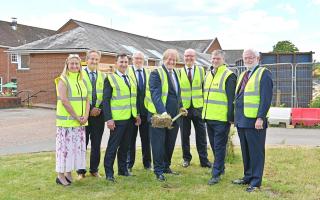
{"x":14,"y":23}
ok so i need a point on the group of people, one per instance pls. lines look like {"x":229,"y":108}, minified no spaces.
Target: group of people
{"x":126,"y":100}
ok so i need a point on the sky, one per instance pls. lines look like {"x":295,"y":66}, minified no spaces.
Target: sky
{"x":238,"y":24}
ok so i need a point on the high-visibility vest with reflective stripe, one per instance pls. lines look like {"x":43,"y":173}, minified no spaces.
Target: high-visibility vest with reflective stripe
{"x":251,"y":96}
{"x":77,"y":96}
{"x":164,"y":89}
{"x":123,"y":100}
{"x":99,"y":86}
{"x":192,"y":94}
{"x":215,"y":105}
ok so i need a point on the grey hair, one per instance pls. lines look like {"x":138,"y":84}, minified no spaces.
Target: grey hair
{"x":219,"y":52}
{"x":136,"y":53}
{"x":93,"y":51}
{"x":253,"y":51}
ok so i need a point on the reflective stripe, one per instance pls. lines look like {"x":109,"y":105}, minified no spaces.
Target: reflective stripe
{"x":116,"y":84}
{"x":68,"y":86}
{"x":120,"y":107}
{"x":250,"y":105}
{"x":65,"y":117}
{"x":162,"y":75}
{"x":196,"y":88}
{"x":72,"y":98}
{"x":121,"y":97}
{"x":213,"y":90}
{"x":256,"y":84}
{"x":222,"y":80}
{"x":185,"y":98}
{"x":99,"y":91}
{"x":216,"y":102}
{"x":197,"y":97}
{"x":185,"y":89}
{"x":201,"y":74}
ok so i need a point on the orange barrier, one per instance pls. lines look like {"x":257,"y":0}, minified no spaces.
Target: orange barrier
{"x":305,"y":116}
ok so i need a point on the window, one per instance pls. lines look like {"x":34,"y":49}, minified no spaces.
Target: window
{"x":14,"y":58}
{"x":0,"y":84}
{"x":130,"y":48}
{"x":23,"y":62}
{"x":156,"y":53}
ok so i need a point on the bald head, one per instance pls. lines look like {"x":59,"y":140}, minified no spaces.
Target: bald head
{"x":189,"y":57}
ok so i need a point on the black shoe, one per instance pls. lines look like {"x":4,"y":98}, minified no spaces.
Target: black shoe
{"x":125,"y":174}
{"x":206,"y":165}
{"x":186,"y":163}
{"x":111,"y":179}
{"x":130,"y":169}
{"x":214,"y":180}
{"x":69,"y":181}
{"x":252,"y":189}
{"x":169,"y":171}
{"x":240,"y":182}
{"x":161,"y":177}
{"x":148,"y":168}
{"x":60,"y":183}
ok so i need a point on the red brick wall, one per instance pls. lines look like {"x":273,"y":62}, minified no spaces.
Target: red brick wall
{"x":7,"y":70}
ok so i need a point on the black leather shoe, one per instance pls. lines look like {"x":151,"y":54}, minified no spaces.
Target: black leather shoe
{"x":214,"y":180}
{"x":252,"y":189}
{"x":240,"y":182}
{"x":148,"y":168}
{"x":125,"y":174}
{"x":186,"y":163}
{"x":161,"y":177}
{"x":169,"y":171}
{"x":60,"y":183}
{"x":111,"y":179}
{"x":206,"y":165}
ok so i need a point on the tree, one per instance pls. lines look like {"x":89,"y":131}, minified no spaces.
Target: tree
{"x":284,"y":46}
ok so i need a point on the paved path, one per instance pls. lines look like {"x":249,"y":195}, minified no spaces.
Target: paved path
{"x":32,"y":130}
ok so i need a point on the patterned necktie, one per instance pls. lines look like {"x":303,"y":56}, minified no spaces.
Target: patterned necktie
{"x":94,"y":90}
{"x":190,"y":75}
{"x":125,"y":80}
{"x":245,"y":80}
{"x":140,"y":81}
{"x":172,"y":81}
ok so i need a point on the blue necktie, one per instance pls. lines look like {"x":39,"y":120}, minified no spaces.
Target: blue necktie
{"x":140,"y":82}
{"x":94,"y":91}
{"x":125,"y":80}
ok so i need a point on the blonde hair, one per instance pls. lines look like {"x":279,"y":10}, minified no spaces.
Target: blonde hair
{"x":66,"y":70}
{"x":170,"y":51}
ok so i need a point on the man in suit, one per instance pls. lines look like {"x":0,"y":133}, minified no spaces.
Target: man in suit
{"x":121,"y":115}
{"x":218,"y":110}
{"x":163,"y":97}
{"x":94,"y":80}
{"x":191,"y":81}
{"x":252,"y":103}
{"x":139,"y":75}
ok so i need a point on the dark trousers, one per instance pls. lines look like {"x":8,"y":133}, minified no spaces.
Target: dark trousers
{"x":218,"y":137}
{"x":118,"y":145}
{"x":162,"y":142}
{"x":201,"y":138}
{"x":145,"y":144}
{"x":253,"y":154}
{"x":94,"y":132}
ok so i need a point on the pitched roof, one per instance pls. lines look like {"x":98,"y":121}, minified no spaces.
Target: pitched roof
{"x":198,"y":45}
{"x":90,"y":36}
{"x":233,"y":55}
{"x":22,"y":35}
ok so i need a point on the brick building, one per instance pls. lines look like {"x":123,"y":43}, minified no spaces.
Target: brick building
{"x":13,"y":35}
{"x":43,"y":60}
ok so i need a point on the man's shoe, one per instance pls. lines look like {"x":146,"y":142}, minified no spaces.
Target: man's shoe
{"x":169,"y":171}
{"x":240,"y":182}
{"x":81,"y":176}
{"x":95,"y":174}
{"x":186,"y":163}
{"x":214,"y":180}
{"x":125,"y":174}
{"x":111,"y":179}
{"x":148,"y":168}
{"x":252,"y":189}
{"x":206,"y":165}
{"x":161,"y":177}
{"x":130,"y":169}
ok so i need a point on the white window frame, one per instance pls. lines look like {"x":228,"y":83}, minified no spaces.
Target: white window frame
{"x":12,"y":56}
{"x":0,"y":84}
{"x":20,"y":63}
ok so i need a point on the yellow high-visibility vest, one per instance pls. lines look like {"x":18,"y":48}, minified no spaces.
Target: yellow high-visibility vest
{"x":215,"y":105}
{"x":252,"y":93}
{"x":77,"y":95}
{"x":99,"y":86}
{"x":192,"y":94}
{"x":123,"y":101}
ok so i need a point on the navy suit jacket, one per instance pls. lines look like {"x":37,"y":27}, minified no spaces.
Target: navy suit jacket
{"x":266,"y":86}
{"x":173,"y":103}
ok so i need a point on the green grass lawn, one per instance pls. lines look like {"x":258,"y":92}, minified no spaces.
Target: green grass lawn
{"x":290,"y":173}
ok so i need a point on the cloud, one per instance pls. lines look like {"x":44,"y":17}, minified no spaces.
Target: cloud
{"x":315,"y":2}
{"x":287,"y":8}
